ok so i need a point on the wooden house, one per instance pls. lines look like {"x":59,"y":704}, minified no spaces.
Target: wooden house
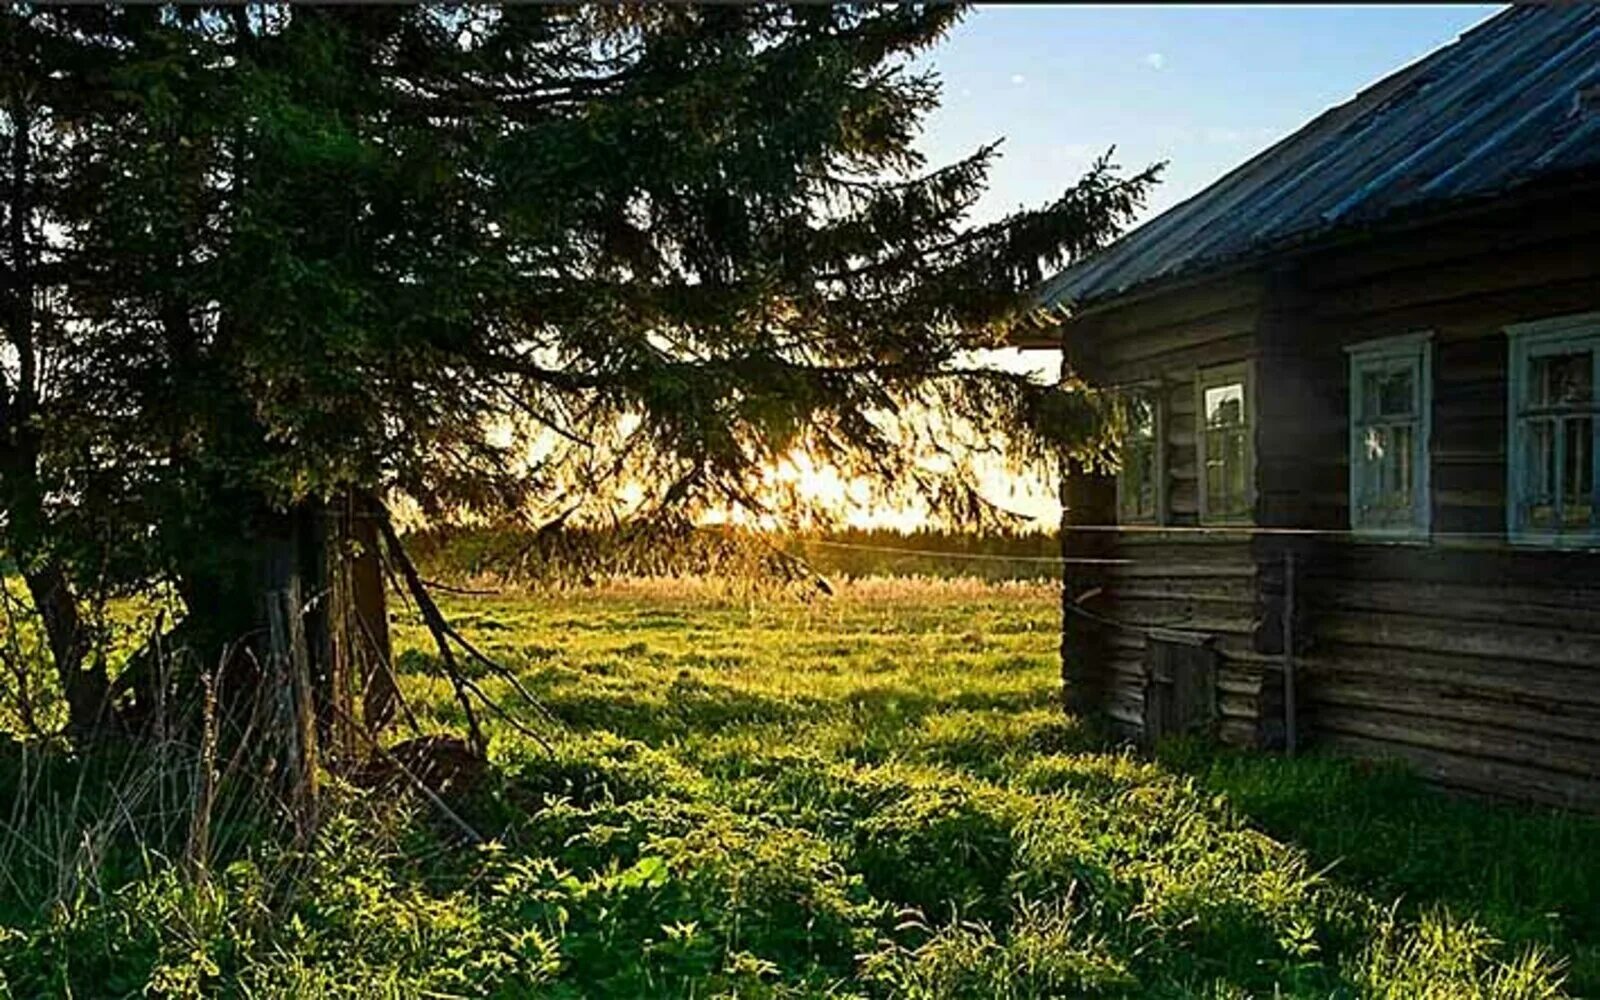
{"x":1357,"y":503}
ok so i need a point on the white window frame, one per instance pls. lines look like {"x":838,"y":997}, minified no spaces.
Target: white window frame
{"x":1158,"y":467}
{"x":1209,"y":378}
{"x":1412,"y":351}
{"x":1527,"y":341}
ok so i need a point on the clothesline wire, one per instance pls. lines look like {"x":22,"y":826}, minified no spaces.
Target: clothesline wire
{"x":1149,"y":529}
{"x":950,"y":554}
{"x":1074,"y":607}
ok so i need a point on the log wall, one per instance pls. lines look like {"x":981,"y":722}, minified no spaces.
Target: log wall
{"x":1190,"y":581}
{"x":1474,"y":660}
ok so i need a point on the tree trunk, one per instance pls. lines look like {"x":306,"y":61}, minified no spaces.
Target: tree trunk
{"x":86,"y":689}
{"x":301,"y":642}
{"x":349,"y":625}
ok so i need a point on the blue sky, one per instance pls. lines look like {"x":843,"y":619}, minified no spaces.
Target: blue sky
{"x":1203,"y":88}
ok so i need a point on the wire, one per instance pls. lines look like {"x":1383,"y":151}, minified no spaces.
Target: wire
{"x":973,"y":556}
{"x":1250,"y":529}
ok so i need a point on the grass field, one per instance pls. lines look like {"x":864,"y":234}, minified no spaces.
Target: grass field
{"x":873,"y":794}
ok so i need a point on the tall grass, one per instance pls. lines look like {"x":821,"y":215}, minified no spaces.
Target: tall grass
{"x":869,"y":795}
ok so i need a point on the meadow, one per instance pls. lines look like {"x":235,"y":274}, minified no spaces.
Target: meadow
{"x":869,"y":794}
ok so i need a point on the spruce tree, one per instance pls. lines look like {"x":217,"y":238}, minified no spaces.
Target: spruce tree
{"x":299,"y":260}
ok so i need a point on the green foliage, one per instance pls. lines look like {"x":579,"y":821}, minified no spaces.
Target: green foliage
{"x":1384,"y":828}
{"x":870,"y":796}
{"x":492,"y":259}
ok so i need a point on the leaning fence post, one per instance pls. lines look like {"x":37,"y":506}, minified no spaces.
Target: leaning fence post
{"x":1290,"y":736}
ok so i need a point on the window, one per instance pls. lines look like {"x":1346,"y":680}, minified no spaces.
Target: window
{"x":1139,"y":484}
{"x":1552,"y":444}
{"x":1226,"y":445}
{"x":1391,"y":397}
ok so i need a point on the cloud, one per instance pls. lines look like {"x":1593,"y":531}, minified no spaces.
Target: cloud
{"x":1018,"y":79}
{"x":1155,"y":60}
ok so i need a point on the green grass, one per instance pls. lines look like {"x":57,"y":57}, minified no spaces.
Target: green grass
{"x":870,"y":795}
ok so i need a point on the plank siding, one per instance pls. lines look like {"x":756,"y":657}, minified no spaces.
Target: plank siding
{"x":1475,"y":661}
{"x":1472,"y":660}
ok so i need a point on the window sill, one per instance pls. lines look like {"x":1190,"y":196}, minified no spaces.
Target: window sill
{"x":1564,"y":543}
{"x":1408,"y":536}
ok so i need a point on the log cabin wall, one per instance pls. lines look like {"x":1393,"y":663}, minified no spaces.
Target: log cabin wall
{"x":1475,"y":660}
{"x":1198,"y":582}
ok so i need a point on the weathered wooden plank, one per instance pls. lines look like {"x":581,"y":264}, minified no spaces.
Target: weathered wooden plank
{"x":1138,"y":312}
{"x":1206,"y":589}
{"x":1448,"y":635}
{"x":1161,"y":614}
{"x":1573,"y":757}
{"x":1235,"y":732}
{"x":1244,"y":687}
{"x":1151,"y":569}
{"x":1181,"y":443}
{"x":1231,"y":705}
{"x":1454,"y":703}
{"x":1473,"y":604}
{"x":1470,"y":278}
{"x":1483,"y":776}
{"x":1198,"y":355}
{"x":1181,"y":403}
{"x":1442,"y":563}
{"x":1170,"y":609}
{"x":1472,"y":450}
{"x":1488,"y":677}
{"x":1495,"y":232}
{"x":1168,"y":341}
{"x":1476,"y":312}
{"x":1225,"y":544}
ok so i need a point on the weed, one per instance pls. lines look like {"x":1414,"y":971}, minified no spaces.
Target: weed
{"x":874,"y":795}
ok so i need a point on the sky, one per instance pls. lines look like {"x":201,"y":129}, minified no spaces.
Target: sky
{"x":1201,"y":88}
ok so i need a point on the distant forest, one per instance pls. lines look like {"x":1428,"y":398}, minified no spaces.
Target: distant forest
{"x":567,"y":555}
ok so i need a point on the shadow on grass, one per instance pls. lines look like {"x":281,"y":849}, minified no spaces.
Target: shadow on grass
{"x":1530,"y":875}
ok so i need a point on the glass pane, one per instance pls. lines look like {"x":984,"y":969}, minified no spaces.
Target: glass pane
{"x":1238,"y":487}
{"x":1224,"y":405}
{"x":1388,"y":394}
{"x":1141,"y":415}
{"x":1215,"y":472}
{"x":1577,"y":474}
{"x":1386,"y":473}
{"x":1542,"y":445}
{"x":1369,"y":470}
{"x":1539,"y":471}
{"x":1227,"y":472}
{"x":1139,"y":481}
{"x":1401,"y":472}
{"x":1562,"y":379}
{"x":1375,"y":445}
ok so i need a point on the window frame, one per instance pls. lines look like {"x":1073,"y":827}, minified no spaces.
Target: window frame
{"x":1152,"y":390}
{"x":1385,"y":353}
{"x":1211,"y":377}
{"x":1525,"y":341}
